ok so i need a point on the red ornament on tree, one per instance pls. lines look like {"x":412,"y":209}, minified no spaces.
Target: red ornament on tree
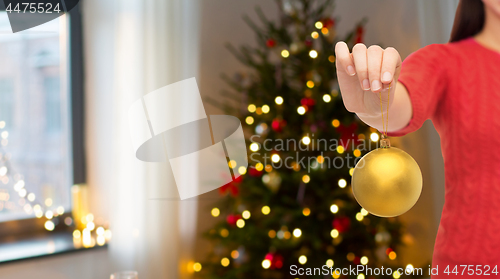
{"x":275,"y":259}
{"x":360,"y":31}
{"x":328,"y":22}
{"x":254,"y":172}
{"x":231,"y":219}
{"x":270,"y":43}
{"x":308,"y":103}
{"x":341,"y":224}
{"x":278,"y":125}
{"x":308,"y":43}
{"x":231,"y":187}
{"x":348,"y":135}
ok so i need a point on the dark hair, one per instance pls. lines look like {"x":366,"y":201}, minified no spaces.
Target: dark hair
{"x":469,"y":20}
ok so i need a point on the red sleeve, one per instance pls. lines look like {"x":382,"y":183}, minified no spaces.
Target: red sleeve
{"x":424,"y":75}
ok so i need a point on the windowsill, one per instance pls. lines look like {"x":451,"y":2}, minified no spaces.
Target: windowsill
{"x":56,"y":243}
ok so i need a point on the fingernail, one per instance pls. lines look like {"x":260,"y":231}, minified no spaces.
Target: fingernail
{"x":350,"y":70}
{"x":386,"y":77}
{"x":376,"y":85}
{"x":366,"y":84}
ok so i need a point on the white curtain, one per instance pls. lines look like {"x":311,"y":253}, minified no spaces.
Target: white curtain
{"x":131,"y":48}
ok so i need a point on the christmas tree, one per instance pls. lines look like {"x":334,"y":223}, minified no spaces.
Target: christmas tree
{"x":293,"y":207}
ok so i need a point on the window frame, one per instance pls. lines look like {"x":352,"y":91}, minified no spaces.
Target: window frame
{"x":34,"y":227}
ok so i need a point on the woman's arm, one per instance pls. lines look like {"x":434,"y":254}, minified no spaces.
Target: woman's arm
{"x":366,"y":73}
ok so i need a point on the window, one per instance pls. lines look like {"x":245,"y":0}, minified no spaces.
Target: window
{"x":6,"y":100}
{"x":41,"y":118}
{"x":51,"y":86}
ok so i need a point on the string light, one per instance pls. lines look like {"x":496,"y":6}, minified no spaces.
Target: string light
{"x":327,"y":98}
{"x":334,"y":208}
{"x":306,"y":178}
{"x":329,"y":263}
{"x":235,"y":254}
{"x":359,"y":216}
{"x":265,"y":108}
{"x":49,"y":225}
{"x":356,"y":153}
{"x":306,"y":140}
{"x":306,"y":211}
{"x":340,"y":149}
{"x":392,"y":255}
{"x":224,"y":233}
{"x":335,"y":123}
{"x":285,"y":53}
{"x":297,"y":233}
{"x":246,"y":214}
{"x":266,"y":264}
{"x":334,"y":233}
{"x":275,"y":158}
{"x":310,"y":84}
{"x":48,"y":202}
{"x":242,"y":170}
{"x":224,"y":262}
{"x":278,"y":100}
{"x":215,"y":212}
{"x":254,"y":147}
{"x":313,"y":54}
{"x":396,"y":275}
{"x":77,"y":234}
{"x":364,"y":212}
{"x":302,"y":259}
{"x":251,"y":108}
{"x":409,"y":268}
{"x":91,"y":226}
{"x":49,"y":215}
{"x":331,"y":58}
{"x":364,"y":260}
{"x":351,"y":171}
{"x":301,"y":110}
{"x":272,"y":234}
{"x":3,"y":171}
{"x":197,"y":267}
{"x":318,"y":24}
{"x":315,"y":35}
{"x":324,"y":30}
{"x":259,"y":166}
{"x":232,"y":164}
{"x":360,"y":276}
{"x":266,"y":210}
{"x":342,"y":183}
{"x":249,"y":120}
{"x":374,"y":137}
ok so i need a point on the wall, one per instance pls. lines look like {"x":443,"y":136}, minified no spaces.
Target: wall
{"x":80,"y":265}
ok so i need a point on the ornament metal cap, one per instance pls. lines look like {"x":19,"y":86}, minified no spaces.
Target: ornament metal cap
{"x":385,"y":142}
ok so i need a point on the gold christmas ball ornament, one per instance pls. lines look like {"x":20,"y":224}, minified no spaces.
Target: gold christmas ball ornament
{"x":387,"y":181}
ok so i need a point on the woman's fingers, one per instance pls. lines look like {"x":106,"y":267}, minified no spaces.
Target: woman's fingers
{"x":360,"y":63}
{"x":374,"y":54}
{"x":344,"y":59}
{"x":390,"y":65}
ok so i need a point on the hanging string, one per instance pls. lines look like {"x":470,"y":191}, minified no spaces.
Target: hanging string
{"x":385,"y":123}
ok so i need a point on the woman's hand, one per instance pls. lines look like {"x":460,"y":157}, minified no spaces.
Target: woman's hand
{"x":363,"y":73}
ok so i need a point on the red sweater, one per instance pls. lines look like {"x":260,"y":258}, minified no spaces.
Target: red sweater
{"x":457,"y":86}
